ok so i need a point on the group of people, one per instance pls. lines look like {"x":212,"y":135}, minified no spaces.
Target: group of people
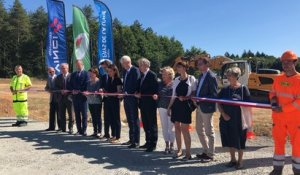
{"x":175,"y":99}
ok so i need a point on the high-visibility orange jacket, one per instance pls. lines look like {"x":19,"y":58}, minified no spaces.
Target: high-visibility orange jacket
{"x":287,"y":91}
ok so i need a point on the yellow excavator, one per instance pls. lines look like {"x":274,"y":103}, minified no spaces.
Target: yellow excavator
{"x":259,"y":82}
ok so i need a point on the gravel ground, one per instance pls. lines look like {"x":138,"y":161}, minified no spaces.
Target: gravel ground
{"x":31,"y":150}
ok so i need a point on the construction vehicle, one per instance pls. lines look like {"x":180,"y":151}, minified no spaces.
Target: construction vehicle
{"x":259,"y":82}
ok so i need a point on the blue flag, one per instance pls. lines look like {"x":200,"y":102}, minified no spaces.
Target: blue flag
{"x":105,"y":35}
{"x":56,"y":45}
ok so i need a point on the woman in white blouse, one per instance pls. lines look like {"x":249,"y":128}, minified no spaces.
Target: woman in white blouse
{"x":180,"y":108}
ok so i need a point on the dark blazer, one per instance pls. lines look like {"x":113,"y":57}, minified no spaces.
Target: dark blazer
{"x":79,"y":82}
{"x":50,"y":86}
{"x":149,"y":86}
{"x":59,"y":85}
{"x":131,"y":83}
{"x":103,"y":80}
{"x":208,"y":90}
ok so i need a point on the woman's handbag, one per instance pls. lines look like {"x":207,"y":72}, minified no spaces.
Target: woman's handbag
{"x":246,"y":114}
{"x":192,"y":105}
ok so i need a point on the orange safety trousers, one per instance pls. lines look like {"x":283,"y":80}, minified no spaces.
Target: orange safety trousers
{"x":283,"y":127}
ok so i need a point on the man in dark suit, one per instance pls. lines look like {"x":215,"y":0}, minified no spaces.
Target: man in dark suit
{"x":131,"y":76}
{"x":207,"y":87}
{"x":148,"y":106}
{"x":104,"y":78}
{"x":64,"y":98}
{"x":53,"y":111}
{"x":78,"y":84}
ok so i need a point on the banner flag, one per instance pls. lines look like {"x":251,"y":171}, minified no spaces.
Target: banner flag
{"x":81,"y":36}
{"x":56,"y":45}
{"x":105,"y":34}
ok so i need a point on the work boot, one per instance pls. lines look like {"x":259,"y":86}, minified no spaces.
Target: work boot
{"x":23,"y":123}
{"x":16,"y":124}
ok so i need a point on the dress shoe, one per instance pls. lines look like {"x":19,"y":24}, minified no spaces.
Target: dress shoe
{"x":127,"y":143}
{"x":49,"y":129}
{"x":84,"y":134}
{"x":133,"y":145}
{"x":151,"y":149}
{"x":206,"y":159}
{"x":200,"y":156}
{"x":145,"y":146}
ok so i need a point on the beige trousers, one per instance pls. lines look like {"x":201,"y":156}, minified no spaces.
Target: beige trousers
{"x":205,"y":131}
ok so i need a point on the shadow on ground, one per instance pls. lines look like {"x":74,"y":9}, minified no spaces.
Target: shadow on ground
{"x":118,"y":156}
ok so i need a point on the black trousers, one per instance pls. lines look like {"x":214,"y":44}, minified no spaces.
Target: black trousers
{"x":95,"y":110}
{"x":112,"y":106}
{"x":149,"y":119}
{"x":106,"y":120}
{"x":65,"y":105}
{"x":53,"y":115}
{"x":131,"y":110}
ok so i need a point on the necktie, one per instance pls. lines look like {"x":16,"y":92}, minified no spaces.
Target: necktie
{"x":142,"y":78}
{"x":125,"y":77}
{"x":65,"y":81}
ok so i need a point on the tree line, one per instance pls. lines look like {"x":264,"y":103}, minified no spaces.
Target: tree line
{"x":23,"y":41}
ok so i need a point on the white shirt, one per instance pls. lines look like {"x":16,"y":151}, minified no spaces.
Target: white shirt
{"x":201,"y":82}
{"x":145,"y":74}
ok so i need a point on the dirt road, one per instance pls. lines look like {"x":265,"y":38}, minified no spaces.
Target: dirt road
{"x":31,"y":150}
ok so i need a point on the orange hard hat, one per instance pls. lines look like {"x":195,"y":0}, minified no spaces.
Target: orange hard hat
{"x":288,"y":56}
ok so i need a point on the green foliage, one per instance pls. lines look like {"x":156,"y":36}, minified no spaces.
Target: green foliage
{"x":23,"y":41}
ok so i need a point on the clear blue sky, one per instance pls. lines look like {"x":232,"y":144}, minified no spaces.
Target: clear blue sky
{"x":217,"y":26}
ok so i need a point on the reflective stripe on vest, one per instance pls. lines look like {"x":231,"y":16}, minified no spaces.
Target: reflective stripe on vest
{"x":296,"y":105}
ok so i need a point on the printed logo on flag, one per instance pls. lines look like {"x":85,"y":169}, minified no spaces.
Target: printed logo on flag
{"x":55,"y":25}
{"x":82,"y":46}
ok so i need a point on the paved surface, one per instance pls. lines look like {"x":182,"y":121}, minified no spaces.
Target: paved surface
{"x":31,"y":150}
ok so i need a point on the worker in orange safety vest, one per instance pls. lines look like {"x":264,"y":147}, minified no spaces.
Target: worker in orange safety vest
{"x":285,"y":101}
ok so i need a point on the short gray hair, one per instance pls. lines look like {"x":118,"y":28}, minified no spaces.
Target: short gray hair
{"x":169,"y":71}
{"x":125,"y":58}
{"x":64,"y":64}
{"x":144,"y":61}
{"x":235,"y":71}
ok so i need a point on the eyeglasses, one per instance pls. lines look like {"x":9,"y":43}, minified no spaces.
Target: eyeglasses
{"x":51,"y":72}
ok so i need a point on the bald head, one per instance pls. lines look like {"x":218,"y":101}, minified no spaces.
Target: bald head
{"x":51,"y":71}
{"x":79,"y":65}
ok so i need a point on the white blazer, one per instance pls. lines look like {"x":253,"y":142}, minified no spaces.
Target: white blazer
{"x":191,"y":81}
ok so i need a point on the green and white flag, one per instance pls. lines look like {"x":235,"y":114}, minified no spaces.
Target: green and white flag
{"x":81,"y":35}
